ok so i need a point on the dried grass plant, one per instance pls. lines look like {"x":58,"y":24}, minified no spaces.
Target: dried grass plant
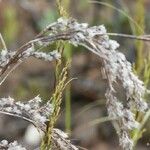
{"x":116,"y":69}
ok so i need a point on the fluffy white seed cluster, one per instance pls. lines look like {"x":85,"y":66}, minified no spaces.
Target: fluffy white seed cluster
{"x":40,"y":55}
{"x":125,"y":141}
{"x":117,"y":110}
{"x":6,"y":56}
{"x":32,"y":110}
{"x":60,"y":141}
{"x":117,"y":69}
{"x":47,"y":57}
{"x":5,"y":145}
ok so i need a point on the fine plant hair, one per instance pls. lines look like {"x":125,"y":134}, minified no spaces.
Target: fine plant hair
{"x":116,"y":70}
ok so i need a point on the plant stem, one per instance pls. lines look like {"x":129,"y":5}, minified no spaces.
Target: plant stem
{"x":68,"y":109}
{"x":139,"y":18}
{"x":139,"y":131}
{"x":68,"y":55}
{"x":63,"y":6}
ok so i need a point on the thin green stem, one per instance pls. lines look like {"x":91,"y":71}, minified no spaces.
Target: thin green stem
{"x":140,"y":19}
{"x":137,"y":135}
{"x":101,"y":120}
{"x":2,"y":43}
{"x":68,"y":109}
{"x":68,"y":55}
{"x":63,"y":6}
{"x":120,"y":11}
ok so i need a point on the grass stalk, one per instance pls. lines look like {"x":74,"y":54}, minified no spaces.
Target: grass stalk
{"x":63,"y":6}
{"x":140,"y":19}
{"x":56,"y":100}
{"x":140,"y":130}
{"x":68,"y":55}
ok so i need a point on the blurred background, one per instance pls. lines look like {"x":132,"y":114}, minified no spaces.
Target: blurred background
{"x":22,"y":20}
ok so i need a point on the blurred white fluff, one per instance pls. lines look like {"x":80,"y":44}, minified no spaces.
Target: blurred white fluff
{"x":5,"y":145}
{"x":33,"y":136}
{"x":32,"y":109}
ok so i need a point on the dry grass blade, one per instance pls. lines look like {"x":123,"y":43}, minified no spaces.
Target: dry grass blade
{"x":141,"y":37}
{"x":3,"y":43}
{"x":119,"y":10}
